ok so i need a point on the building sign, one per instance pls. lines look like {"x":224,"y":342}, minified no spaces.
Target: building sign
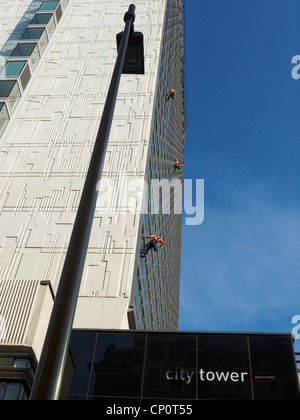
{"x":182,"y":375}
{"x":181,"y":366}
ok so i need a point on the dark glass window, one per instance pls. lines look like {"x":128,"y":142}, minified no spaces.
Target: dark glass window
{"x":6,"y":361}
{"x":44,"y":19}
{"x":48,"y":5}
{"x":223,"y":367}
{"x":179,"y":366}
{"x":13,"y":68}
{"x":41,"y":18}
{"x":170,"y":366}
{"x":82,"y":346}
{"x":39,"y":34}
{"x":273,"y":367}
{"x":29,"y":49}
{"x":10,"y":89}
{"x":12,"y":391}
{"x":118,"y":365}
{"x":33,"y":33}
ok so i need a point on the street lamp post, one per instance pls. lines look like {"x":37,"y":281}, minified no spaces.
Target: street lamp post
{"x":51,"y":365}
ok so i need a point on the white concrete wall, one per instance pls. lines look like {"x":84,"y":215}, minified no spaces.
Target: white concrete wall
{"x":46,"y":148}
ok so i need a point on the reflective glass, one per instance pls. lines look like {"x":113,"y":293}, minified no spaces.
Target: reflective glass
{"x":21,"y":363}
{"x":118,"y":365}
{"x":4,"y":361}
{"x":273,"y":365}
{"x":29,"y":49}
{"x":6,"y":87}
{"x":13,"y":68}
{"x":180,"y":366}
{"x":170,"y":370}
{"x":44,"y":19}
{"x":33,"y":33}
{"x":2,"y":390}
{"x":13,"y":391}
{"x":79,"y":363}
{"x":14,"y":96}
{"x":49,"y":5}
{"x":10,"y":89}
{"x":223,"y":367}
{"x":41,"y":18}
{"x":37,"y":33}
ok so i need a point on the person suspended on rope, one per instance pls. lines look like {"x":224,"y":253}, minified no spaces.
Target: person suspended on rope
{"x":177,"y":164}
{"x":171,"y":94}
{"x":152,"y":244}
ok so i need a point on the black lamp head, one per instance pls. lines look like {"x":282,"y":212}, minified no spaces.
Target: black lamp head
{"x":134,"y":57}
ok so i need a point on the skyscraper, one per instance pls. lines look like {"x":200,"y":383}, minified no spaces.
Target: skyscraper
{"x":56,"y":63}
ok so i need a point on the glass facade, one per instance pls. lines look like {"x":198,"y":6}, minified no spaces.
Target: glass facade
{"x":12,"y":391}
{"x":155,"y":293}
{"x":46,"y":19}
{"x":13,"y":68}
{"x":4,"y":117}
{"x":39,"y":34}
{"x":10,"y":89}
{"x":180,"y":366}
{"x":17,"y":69}
{"x":29,"y":49}
{"x":16,"y":373}
{"x":54,"y":6}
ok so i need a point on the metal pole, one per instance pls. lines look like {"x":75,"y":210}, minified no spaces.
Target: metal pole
{"x":51,"y":365}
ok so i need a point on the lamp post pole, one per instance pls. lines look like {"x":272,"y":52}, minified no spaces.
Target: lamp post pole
{"x":51,"y":365}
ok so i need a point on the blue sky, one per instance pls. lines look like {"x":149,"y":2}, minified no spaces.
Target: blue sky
{"x":240,"y":268}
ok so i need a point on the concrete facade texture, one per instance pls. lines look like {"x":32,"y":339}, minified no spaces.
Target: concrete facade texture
{"x":44,"y":156}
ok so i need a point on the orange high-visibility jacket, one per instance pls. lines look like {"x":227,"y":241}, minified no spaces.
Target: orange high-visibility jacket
{"x":172,"y":91}
{"x":156,"y":238}
{"x":177,"y":163}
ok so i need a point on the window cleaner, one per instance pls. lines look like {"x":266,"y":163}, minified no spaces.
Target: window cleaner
{"x":171,"y":94}
{"x":152,"y":244}
{"x":177,"y":164}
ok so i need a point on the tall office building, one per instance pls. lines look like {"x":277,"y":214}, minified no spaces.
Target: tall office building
{"x":56,"y":63}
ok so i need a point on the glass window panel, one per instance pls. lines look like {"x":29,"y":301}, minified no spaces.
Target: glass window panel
{"x":64,"y":4}
{"x":29,"y":49}
{"x":170,"y":366}
{"x":37,"y":33}
{"x":6,"y":87}
{"x":33,"y":33}
{"x":118,"y":365}
{"x":223,"y":364}
{"x":79,"y":363}
{"x":41,"y":18}
{"x":23,"y":394}
{"x":35,"y":57}
{"x":49,"y":5}
{"x":45,"y":19}
{"x":4,"y":361}
{"x":58,"y":13}
{"x":273,"y":368}
{"x":21,"y":363}
{"x":14,"y":96}
{"x":13,"y":68}
{"x":13,"y":391}
{"x":4,"y":118}
{"x":23,"y":50}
